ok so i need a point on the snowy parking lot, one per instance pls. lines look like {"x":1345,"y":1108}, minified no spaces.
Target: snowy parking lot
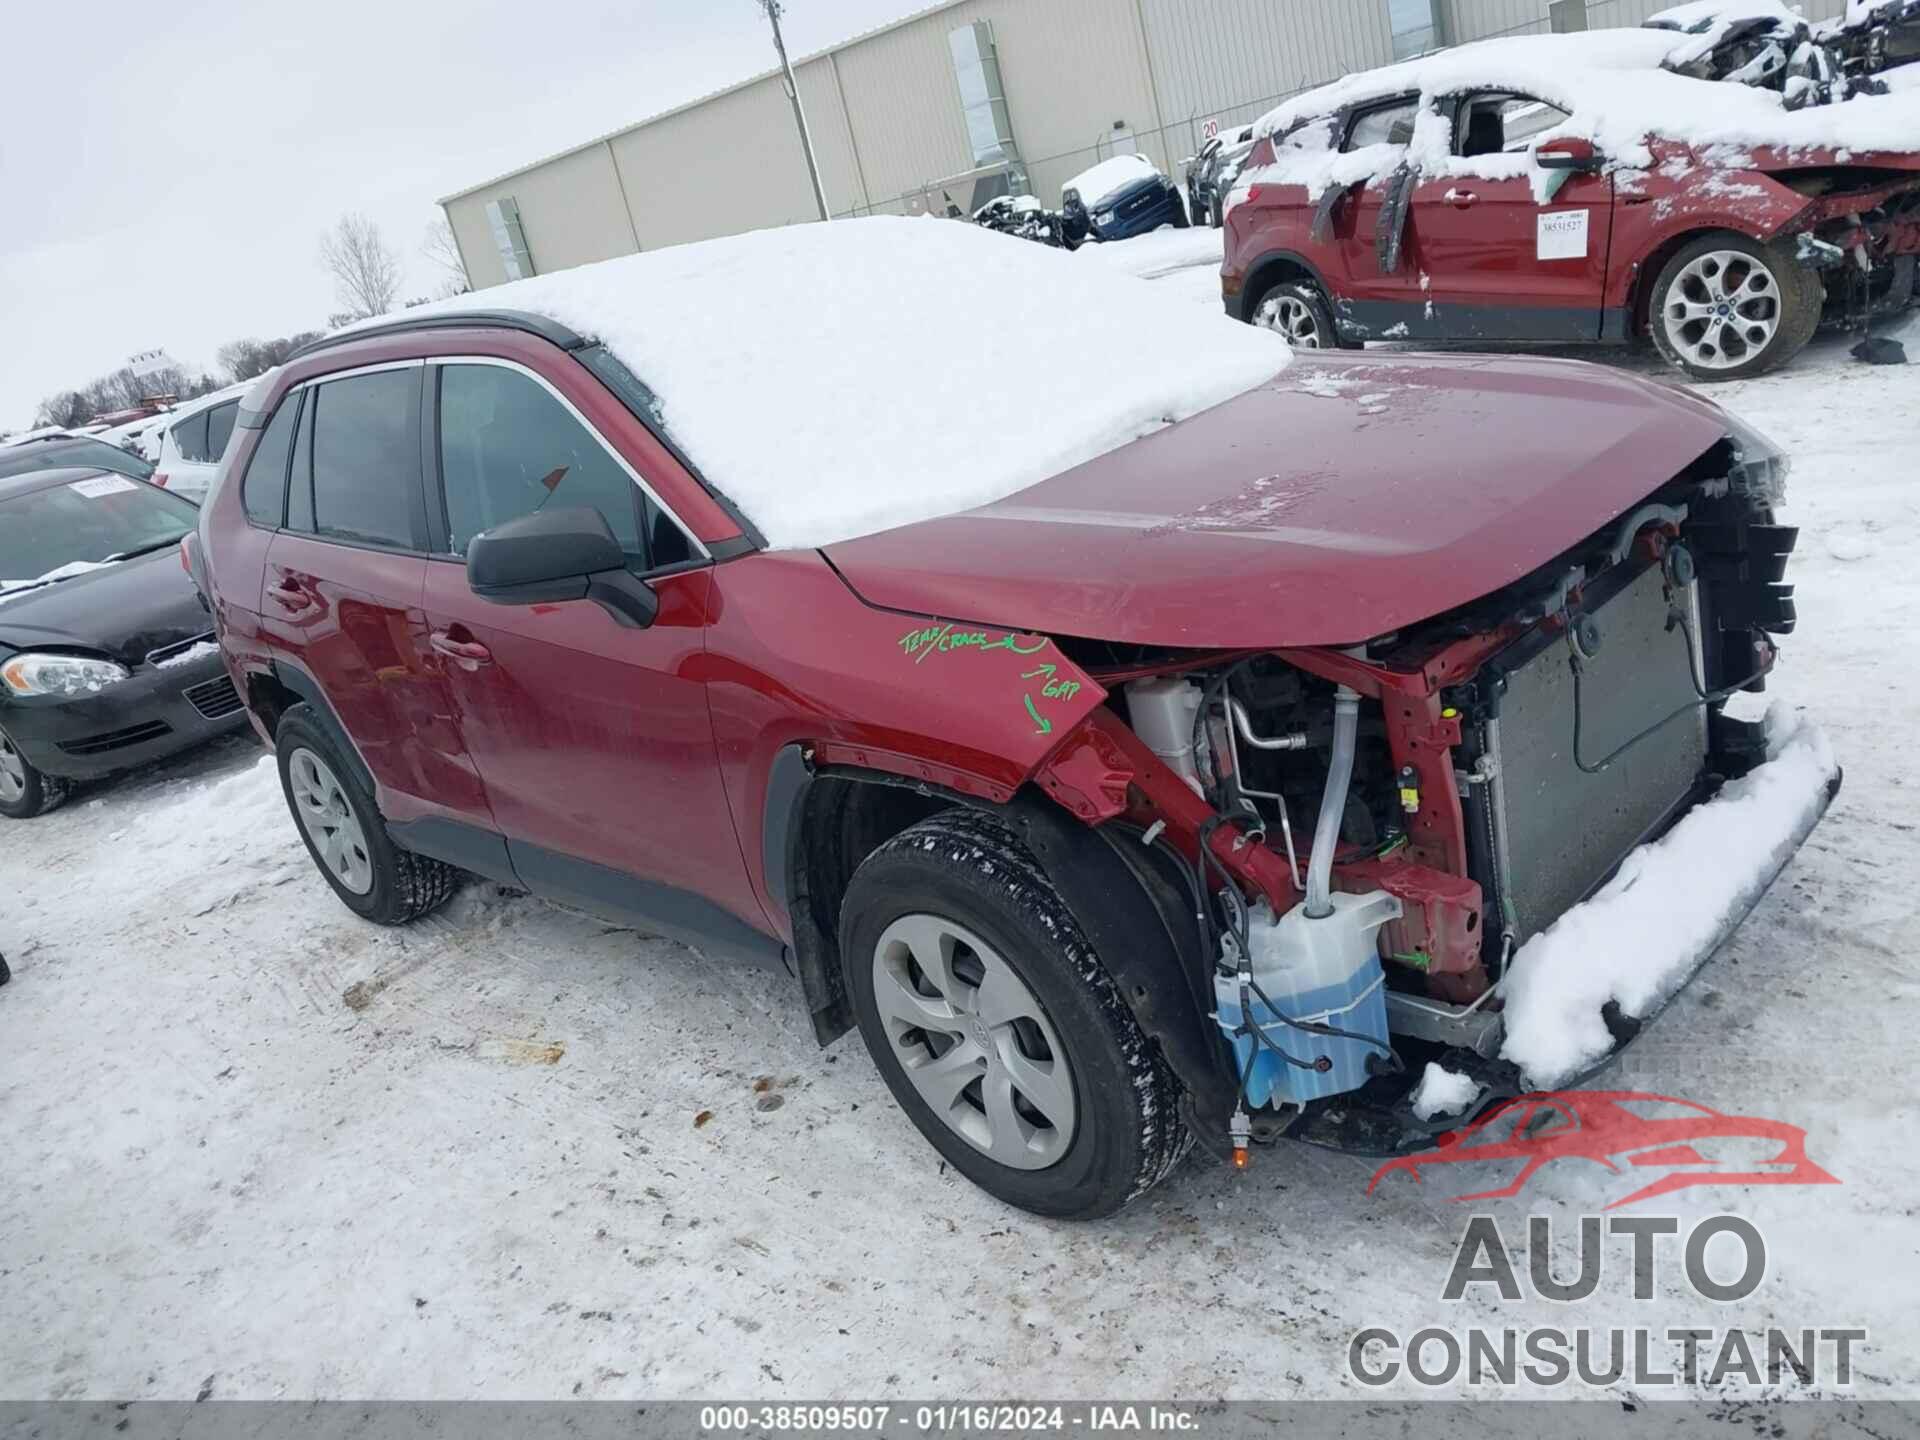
{"x":255,"y":1147}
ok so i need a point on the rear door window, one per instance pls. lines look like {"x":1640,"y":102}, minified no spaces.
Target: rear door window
{"x":366,"y":458}
{"x":510,"y":447}
{"x":263,"y":490}
{"x":190,"y":437}
{"x":220,"y":428}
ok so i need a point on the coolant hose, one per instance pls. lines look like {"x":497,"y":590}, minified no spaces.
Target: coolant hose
{"x":1333,"y":804}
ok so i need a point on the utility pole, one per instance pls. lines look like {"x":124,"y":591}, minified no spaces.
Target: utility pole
{"x":773,"y":8}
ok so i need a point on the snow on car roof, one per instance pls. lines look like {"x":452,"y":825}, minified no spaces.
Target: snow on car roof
{"x":1102,"y":182}
{"x":1611,"y":84}
{"x":839,"y":379}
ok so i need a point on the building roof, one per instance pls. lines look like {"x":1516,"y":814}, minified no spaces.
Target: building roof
{"x":700,"y":100}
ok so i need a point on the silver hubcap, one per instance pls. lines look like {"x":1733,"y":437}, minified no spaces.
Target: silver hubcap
{"x":974,"y":1041}
{"x":13,"y":771}
{"x":1722,"y":310}
{"x":327,"y":816}
{"x":1292,"y":317}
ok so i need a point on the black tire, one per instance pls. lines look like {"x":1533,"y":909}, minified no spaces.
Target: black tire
{"x":1216,"y":214}
{"x":39,"y":792}
{"x":5,"y":973}
{"x":1306,"y":296}
{"x":405,"y":886}
{"x":1181,"y":220}
{"x":967,"y":868}
{"x":1801,"y":297}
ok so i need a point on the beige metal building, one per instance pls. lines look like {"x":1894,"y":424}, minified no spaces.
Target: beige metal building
{"x":957,"y":102}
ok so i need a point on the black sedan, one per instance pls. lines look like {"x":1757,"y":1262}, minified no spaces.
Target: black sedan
{"x":61,"y":452}
{"x":107,"y":656}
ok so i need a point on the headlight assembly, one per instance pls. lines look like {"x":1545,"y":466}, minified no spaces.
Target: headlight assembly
{"x":1760,"y":467}
{"x":67,"y":676}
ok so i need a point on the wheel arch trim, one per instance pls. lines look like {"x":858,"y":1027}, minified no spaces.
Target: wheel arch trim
{"x":1142,"y":932}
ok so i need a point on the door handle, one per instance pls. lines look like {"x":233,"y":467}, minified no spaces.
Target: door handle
{"x":470,"y":653}
{"x":293,"y":597}
{"x":1460,"y":199}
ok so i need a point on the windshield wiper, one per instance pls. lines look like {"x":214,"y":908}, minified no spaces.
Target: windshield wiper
{"x":144,"y":549}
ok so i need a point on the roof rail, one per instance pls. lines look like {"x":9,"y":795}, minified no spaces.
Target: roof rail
{"x":546,"y":329}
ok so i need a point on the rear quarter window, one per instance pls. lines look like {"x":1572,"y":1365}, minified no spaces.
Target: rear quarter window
{"x":190,"y":438}
{"x":263,"y":490}
{"x":220,"y":428}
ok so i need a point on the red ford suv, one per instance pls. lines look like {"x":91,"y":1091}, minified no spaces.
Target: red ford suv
{"x":1207,"y":789}
{"x":1565,"y":188}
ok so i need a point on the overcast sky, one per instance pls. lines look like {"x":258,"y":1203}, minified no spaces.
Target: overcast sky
{"x":166,"y":181}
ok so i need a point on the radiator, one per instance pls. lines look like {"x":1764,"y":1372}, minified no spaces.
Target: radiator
{"x":1563,"y":829}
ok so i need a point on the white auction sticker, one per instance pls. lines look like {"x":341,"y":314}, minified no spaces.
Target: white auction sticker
{"x":102,"y":485}
{"x":1561,"y":235}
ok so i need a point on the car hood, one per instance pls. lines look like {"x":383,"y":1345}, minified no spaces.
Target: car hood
{"x":1343,"y":500}
{"x":126,"y":610}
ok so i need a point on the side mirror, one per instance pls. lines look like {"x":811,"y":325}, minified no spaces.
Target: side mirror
{"x":555,"y":555}
{"x":1568,"y":153}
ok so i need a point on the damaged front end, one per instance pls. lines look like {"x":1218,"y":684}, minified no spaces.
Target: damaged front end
{"x":1363,"y":842}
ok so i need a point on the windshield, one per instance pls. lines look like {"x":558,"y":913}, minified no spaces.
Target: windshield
{"x":60,"y":454}
{"x":85,"y":522}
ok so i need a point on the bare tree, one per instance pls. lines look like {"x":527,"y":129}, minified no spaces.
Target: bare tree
{"x":366,"y":274}
{"x":122,"y":390}
{"x":67,"y":408}
{"x":444,"y":251}
{"x":245,"y":359}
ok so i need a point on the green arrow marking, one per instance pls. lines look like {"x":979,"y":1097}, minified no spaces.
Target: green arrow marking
{"x":1046,"y":725}
{"x":1044,"y":670}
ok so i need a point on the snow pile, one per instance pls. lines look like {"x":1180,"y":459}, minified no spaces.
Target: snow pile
{"x":1159,"y":254}
{"x":814,"y":375}
{"x":1443,"y":1092}
{"x":1611,"y":85}
{"x":1640,"y":938}
{"x":1098,"y":185}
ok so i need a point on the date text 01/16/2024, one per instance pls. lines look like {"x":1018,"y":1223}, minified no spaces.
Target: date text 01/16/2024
{"x":883,"y":1419}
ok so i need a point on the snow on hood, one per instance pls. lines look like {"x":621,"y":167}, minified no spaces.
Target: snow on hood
{"x":840,"y":379}
{"x":1611,"y":84}
{"x":1107,"y":179}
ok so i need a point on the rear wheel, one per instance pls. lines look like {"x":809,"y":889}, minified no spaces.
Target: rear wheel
{"x":26,"y":790}
{"x":996,"y":1026}
{"x":1726,"y":307}
{"x":1299,"y":312}
{"x":343,"y":831}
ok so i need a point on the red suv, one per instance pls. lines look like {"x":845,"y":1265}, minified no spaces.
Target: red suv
{"x":1080,"y":803}
{"x":1565,"y":188}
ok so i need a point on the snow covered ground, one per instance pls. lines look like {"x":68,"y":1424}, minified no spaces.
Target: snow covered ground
{"x":250,"y":1143}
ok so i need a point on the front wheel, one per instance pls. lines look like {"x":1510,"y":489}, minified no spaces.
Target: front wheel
{"x":25,"y":789}
{"x":1300,"y":313}
{"x":997,"y":1028}
{"x":343,"y":831}
{"x":1726,"y":307}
